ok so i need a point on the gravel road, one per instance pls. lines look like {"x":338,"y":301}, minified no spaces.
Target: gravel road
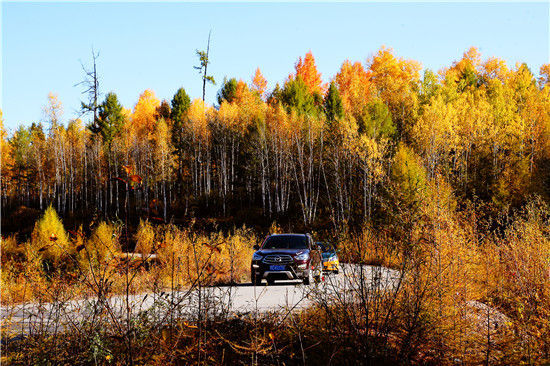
{"x":221,"y":300}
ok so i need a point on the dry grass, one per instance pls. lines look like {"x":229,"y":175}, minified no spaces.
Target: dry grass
{"x":462,"y":297}
{"x":181,"y":258}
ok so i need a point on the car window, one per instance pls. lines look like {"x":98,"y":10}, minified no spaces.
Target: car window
{"x":325,"y":247}
{"x":285,"y":242}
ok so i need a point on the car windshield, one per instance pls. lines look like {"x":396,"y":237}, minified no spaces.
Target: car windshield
{"x":325,"y":247}
{"x":285,"y":242}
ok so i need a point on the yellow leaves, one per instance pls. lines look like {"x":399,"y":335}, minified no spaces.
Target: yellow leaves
{"x":472,"y":56}
{"x":145,"y":237}
{"x":103,"y":243}
{"x":544,"y":78}
{"x":435,"y":133}
{"x":470,"y":62}
{"x":345,"y":131}
{"x":245,"y":107}
{"x":354,"y":87}
{"x":9,"y":247}
{"x":367,"y":146}
{"x":165,"y":334}
{"x":49,"y":237}
{"x":441,"y":201}
{"x":128,"y":169}
{"x":409,"y":174}
{"x":249,"y":103}
{"x":221,"y":257}
{"x":278,"y":121}
{"x":495,"y":68}
{"x":197,"y":109}
{"x":163,"y":150}
{"x":387,"y":69}
{"x":198,"y":121}
{"x":144,"y":114}
{"x":228,"y":114}
{"x":6,"y":154}
{"x":371,"y":153}
{"x":275,"y":228}
{"x":394,"y":79}
{"x":307,"y":70}
{"x":259,"y":83}
{"x":242,"y":93}
{"x":127,"y":113}
{"x":189,"y":325}
{"x":54,"y":109}
{"x":475,"y":115}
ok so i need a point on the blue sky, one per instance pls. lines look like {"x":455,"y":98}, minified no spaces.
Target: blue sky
{"x":152,"y":45}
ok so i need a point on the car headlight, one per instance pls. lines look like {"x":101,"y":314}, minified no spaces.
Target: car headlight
{"x":256,"y":257}
{"x":302,"y":257}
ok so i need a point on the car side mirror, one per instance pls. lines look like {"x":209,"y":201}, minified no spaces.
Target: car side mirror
{"x":256,"y":247}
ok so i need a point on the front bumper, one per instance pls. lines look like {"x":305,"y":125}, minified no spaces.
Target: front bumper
{"x":291,"y":271}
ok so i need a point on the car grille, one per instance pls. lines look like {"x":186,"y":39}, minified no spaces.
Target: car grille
{"x":278,"y":259}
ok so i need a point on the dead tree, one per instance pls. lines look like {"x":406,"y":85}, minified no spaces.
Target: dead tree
{"x":91,"y":90}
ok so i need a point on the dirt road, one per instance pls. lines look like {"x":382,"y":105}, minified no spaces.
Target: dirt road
{"x":213,"y":301}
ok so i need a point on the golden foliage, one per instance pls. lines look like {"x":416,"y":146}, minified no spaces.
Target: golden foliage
{"x":228,"y":114}
{"x":275,"y":228}
{"x":162,"y":153}
{"x":354,"y":86}
{"x":144,"y":115}
{"x":54,"y":110}
{"x":307,"y":70}
{"x":409,"y":175}
{"x":259,"y":83}
{"x":6,"y":153}
{"x":544,"y":79}
{"x":10,"y":248}
{"x":471,"y":60}
{"x":212,"y":259}
{"x":198,"y":121}
{"x":103,"y":246}
{"x":145,"y":238}
{"x":392,"y":76}
{"x":49,"y":239}
{"x":495,"y":69}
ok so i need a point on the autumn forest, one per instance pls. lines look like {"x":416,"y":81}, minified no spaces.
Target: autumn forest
{"x":321,"y":152}
{"x":442,"y":174}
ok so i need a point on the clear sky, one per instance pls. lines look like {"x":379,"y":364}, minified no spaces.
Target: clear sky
{"x":152,"y":45}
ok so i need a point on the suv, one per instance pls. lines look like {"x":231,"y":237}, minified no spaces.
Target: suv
{"x":286,"y":257}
